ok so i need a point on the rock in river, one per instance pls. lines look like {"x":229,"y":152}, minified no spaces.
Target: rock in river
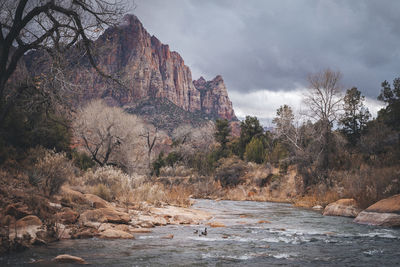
{"x":65,"y":258}
{"x":114,"y":233}
{"x":346,"y":207}
{"x":385,"y":212}
{"x":104,"y":215}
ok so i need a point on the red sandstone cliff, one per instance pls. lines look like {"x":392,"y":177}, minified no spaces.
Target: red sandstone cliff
{"x":149,"y":69}
{"x":214,"y":97}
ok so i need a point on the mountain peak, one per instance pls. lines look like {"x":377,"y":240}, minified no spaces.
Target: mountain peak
{"x":150,"y":70}
{"x":129,"y":19}
{"x":218,"y":78}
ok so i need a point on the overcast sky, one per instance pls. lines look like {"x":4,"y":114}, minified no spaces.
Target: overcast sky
{"x":264,"y":49}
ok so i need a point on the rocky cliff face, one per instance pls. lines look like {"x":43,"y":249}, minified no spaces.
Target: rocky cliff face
{"x":214,"y":97}
{"x":150,"y":70}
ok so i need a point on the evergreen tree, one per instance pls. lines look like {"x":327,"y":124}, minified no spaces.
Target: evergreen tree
{"x":355,"y":117}
{"x":222,"y":132}
{"x":255,"y":151}
{"x":391,"y":114}
{"x":249,"y":128}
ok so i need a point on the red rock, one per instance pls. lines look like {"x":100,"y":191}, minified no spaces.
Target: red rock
{"x":385,"y":212}
{"x":214,"y":97}
{"x":65,"y":258}
{"x":347,"y":207}
{"x":29,"y":225}
{"x":171,"y":236}
{"x":115,"y":233}
{"x":67,"y":216}
{"x":149,"y":70}
{"x":96,"y":201}
{"x":215,"y":224}
{"x":104,"y":215}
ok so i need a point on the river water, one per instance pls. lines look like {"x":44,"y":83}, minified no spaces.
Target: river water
{"x":294,"y":237}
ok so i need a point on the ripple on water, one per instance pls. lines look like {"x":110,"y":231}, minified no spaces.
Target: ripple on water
{"x":294,"y":236}
{"x":373,"y":252}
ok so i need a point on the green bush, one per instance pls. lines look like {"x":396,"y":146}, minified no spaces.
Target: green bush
{"x":173,"y":158}
{"x":158,"y":164}
{"x":255,"y":151}
{"x":278,"y":153}
{"x":82,"y":160}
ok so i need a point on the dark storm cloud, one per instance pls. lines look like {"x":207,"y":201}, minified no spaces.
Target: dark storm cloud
{"x":273,"y":45}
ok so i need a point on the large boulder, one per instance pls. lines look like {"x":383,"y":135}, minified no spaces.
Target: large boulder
{"x":96,"y":201}
{"x":104,"y":215}
{"x":385,"y":212}
{"x":81,"y":233}
{"x":29,"y":225}
{"x":346,"y":207}
{"x":148,"y":220}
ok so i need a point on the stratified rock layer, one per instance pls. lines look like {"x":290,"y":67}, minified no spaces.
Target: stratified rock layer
{"x":149,"y":70}
{"x":214,"y":97}
{"x":385,"y":212}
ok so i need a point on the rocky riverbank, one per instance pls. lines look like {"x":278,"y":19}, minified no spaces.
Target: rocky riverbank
{"x":74,"y":215}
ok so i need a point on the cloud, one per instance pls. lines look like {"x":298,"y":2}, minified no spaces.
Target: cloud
{"x":273,"y":45}
{"x":264,"y":103}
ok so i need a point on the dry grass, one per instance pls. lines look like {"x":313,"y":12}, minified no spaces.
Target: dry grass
{"x":318,"y":195}
{"x":369,"y":184}
{"x":159,"y":194}
{"x":51,"y":171}
{"x":179,"y":196}
{"x":177,"y":171}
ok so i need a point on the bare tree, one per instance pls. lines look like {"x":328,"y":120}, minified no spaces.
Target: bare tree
{"x":110,"y":135}
{"x":49,"y":25}
{"x":189,"y":140}
{"x":285,"y":128}
{"x":324,"y":101}
{"x":150,"y":136}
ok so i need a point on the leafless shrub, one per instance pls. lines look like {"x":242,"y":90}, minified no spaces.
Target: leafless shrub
{"x":111,"y":183}
{"x":111,"y":136}
{"x":51,"y":172}
{"x":368,"y":184}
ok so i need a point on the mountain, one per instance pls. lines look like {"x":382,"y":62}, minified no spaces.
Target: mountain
{"x":151,"y":73}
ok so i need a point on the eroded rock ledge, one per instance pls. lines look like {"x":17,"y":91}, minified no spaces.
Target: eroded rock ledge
{"x":385,"y":212}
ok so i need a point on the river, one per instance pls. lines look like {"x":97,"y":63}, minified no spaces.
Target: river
{"x":294,"y":237}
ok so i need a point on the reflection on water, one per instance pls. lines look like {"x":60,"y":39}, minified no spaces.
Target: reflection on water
{"x":295,"y":237}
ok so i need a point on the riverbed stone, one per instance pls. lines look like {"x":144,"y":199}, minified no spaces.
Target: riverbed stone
{"x":346,"y":207}
{"x":182,"y":219}
{"x":82,"y":233}
{"x":385,"y":212}
{"x":66,"y":258}
{"x":104,"y":215}
{"x":115,"y":233}
{"x":216,"y":224}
